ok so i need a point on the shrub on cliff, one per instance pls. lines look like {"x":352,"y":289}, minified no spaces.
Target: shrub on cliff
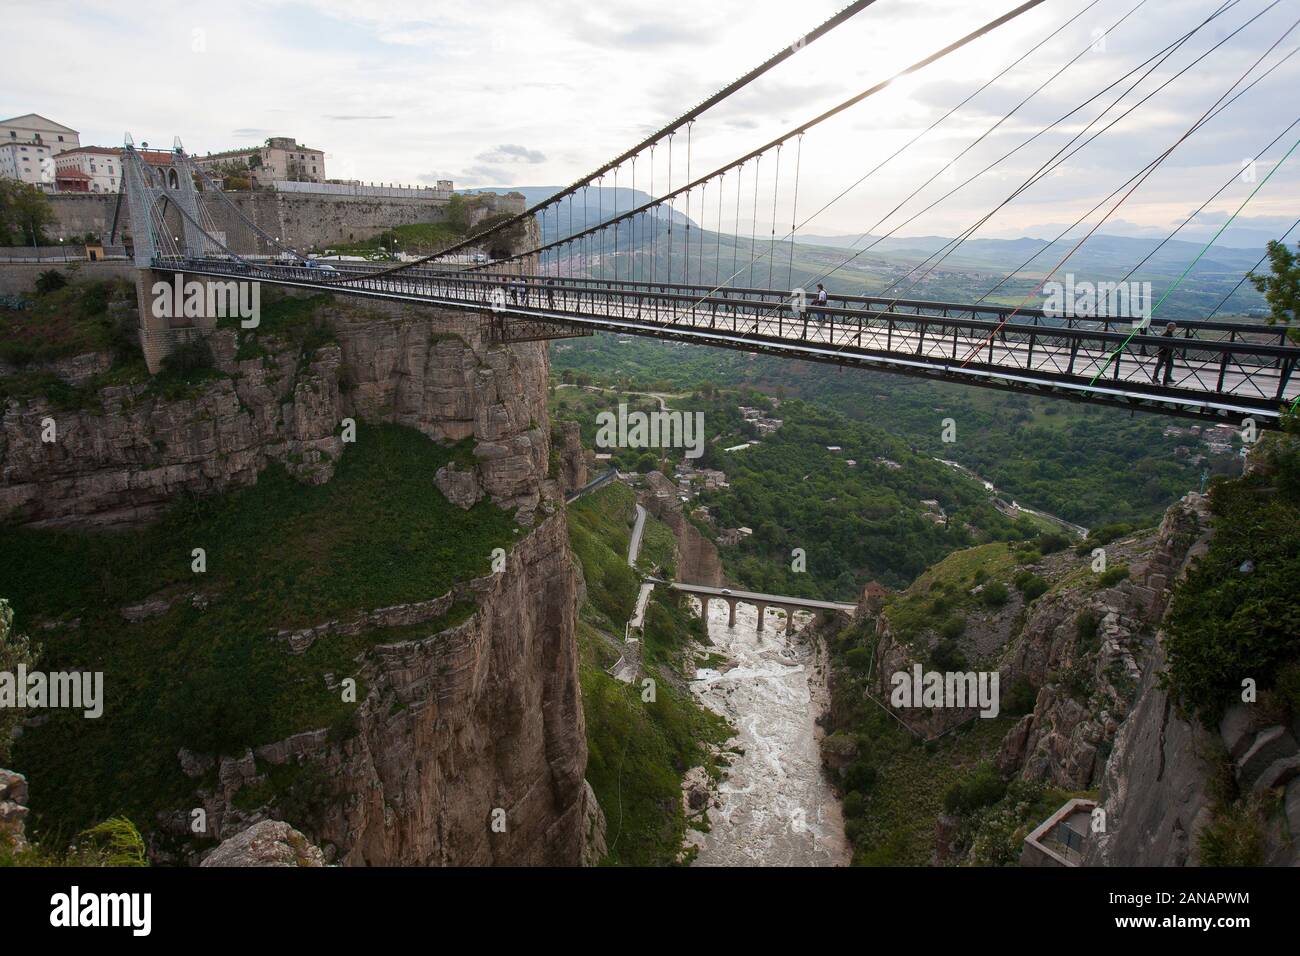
{"x":1019,"y":698}
{"x":51,"y":280}
{"x":995,"y":594}
{"x":1052,"y":543}
{"x":1237,"y":613}
{"x":114,"y":842}
{"x":1113,"y":576}
{"x":1031,"y":585}
{"x":189,"y":358}
{"x":981,"y":789}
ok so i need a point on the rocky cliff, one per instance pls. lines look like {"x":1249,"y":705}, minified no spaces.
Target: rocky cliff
{"x":469,"y":747}
{"x":698,"y":561}
{"x":1086,"y":661}
{"x":131,"y":451}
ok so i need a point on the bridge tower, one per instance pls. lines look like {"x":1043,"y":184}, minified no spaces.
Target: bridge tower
{"x":150,"y":189}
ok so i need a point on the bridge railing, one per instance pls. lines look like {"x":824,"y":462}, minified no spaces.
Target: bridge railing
{"x":843,"y":304}
{"x":1213,"y":357}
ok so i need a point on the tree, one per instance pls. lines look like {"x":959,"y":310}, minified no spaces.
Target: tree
{"x":15,"y":649}
{"x":24,"y":213}
{"x":1282,"y":288}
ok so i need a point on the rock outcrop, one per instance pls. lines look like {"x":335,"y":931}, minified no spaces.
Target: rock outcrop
{"x":461,"y":488}
{"x":130,"y":452}
{"x":13,"y":809}
{"x":698,"y":561}
{"x":269,"y":843}
{"x":1089,"y":678}
{"x":573,"y":458}
{"x":470,"y":746}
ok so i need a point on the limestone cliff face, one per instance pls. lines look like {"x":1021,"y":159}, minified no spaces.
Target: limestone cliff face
{"x":475,"y":725}
{"x":573,"y":459}
{"x":1159,"y":784}
{"x":122,"y":459}
{"x":698,"y":561}
{"x":1088,"y":680}
{"x":461,"y":729}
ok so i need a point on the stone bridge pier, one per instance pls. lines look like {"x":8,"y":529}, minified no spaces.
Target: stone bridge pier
{"x":165,"y":325}
{"x":818,"y":614}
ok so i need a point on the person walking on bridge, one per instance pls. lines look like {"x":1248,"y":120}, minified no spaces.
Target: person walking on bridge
{"x":1166,"y":357}
{"x":821,"y":303}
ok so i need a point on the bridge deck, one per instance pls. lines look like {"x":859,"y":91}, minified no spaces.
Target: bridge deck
{"x":1220,"y":369}
{"x":754,"y":597}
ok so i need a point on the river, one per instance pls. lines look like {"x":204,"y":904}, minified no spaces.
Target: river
{"x":777,"y":807}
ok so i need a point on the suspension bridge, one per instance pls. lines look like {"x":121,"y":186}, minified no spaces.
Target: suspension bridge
{"x":659,"y":268}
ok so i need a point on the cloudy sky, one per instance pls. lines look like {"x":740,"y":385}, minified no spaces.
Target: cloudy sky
{"x":504,"y":93}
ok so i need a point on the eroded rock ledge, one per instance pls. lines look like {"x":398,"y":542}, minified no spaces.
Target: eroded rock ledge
{"x":122,"y":459}
{"x":483,"y":716}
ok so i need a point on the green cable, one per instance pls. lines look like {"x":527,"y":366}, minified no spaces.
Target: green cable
{"x":1192,"y":264}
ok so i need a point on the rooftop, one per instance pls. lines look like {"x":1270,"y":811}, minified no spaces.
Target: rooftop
{"x":97,"y":150}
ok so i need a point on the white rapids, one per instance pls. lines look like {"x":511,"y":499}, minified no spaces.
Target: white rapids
{"x":777,"y":808}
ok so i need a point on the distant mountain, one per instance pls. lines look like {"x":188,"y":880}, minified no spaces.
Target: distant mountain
{"x":1102,"y":254}
{"x":970,"y":272}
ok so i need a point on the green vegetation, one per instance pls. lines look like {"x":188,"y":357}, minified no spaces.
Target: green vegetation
{"x":583,"y":406}
{"x":637,"y":749}
{"x":856,"y":523}
{"x":1030,"y":585}
{"x":1281,"y":288}
{"x":981,"y":789}
{"x":24,"y":213}
{"x":1237,"y":613}
{"x":637,"y":752}
{"x":1084,"y":463}
{"x":600,"y":528}
{"x":69,"y":319}
{"x":994,"y":833}
{"x":1235,"y":835}
{"x":943,"y":592}
{"x":1112,"y":576}
{"x":894,"y":785}
{"x":208,"y":673}
{"x":285,"y":317}
{"x":115,"y":842}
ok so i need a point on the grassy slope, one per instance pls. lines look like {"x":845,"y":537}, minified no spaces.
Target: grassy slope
{"x":637,"y":751}
{"x":279,"y":555}
{"x":894,"y":789}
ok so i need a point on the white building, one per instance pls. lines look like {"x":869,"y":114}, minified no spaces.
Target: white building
{"x":33,"y":128}
{"x":101,"y":164}
{"x":30,"y":163}
{"x":28,"y":145}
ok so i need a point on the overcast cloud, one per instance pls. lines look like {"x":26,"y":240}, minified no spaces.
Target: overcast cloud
{"x":538,"y":93}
